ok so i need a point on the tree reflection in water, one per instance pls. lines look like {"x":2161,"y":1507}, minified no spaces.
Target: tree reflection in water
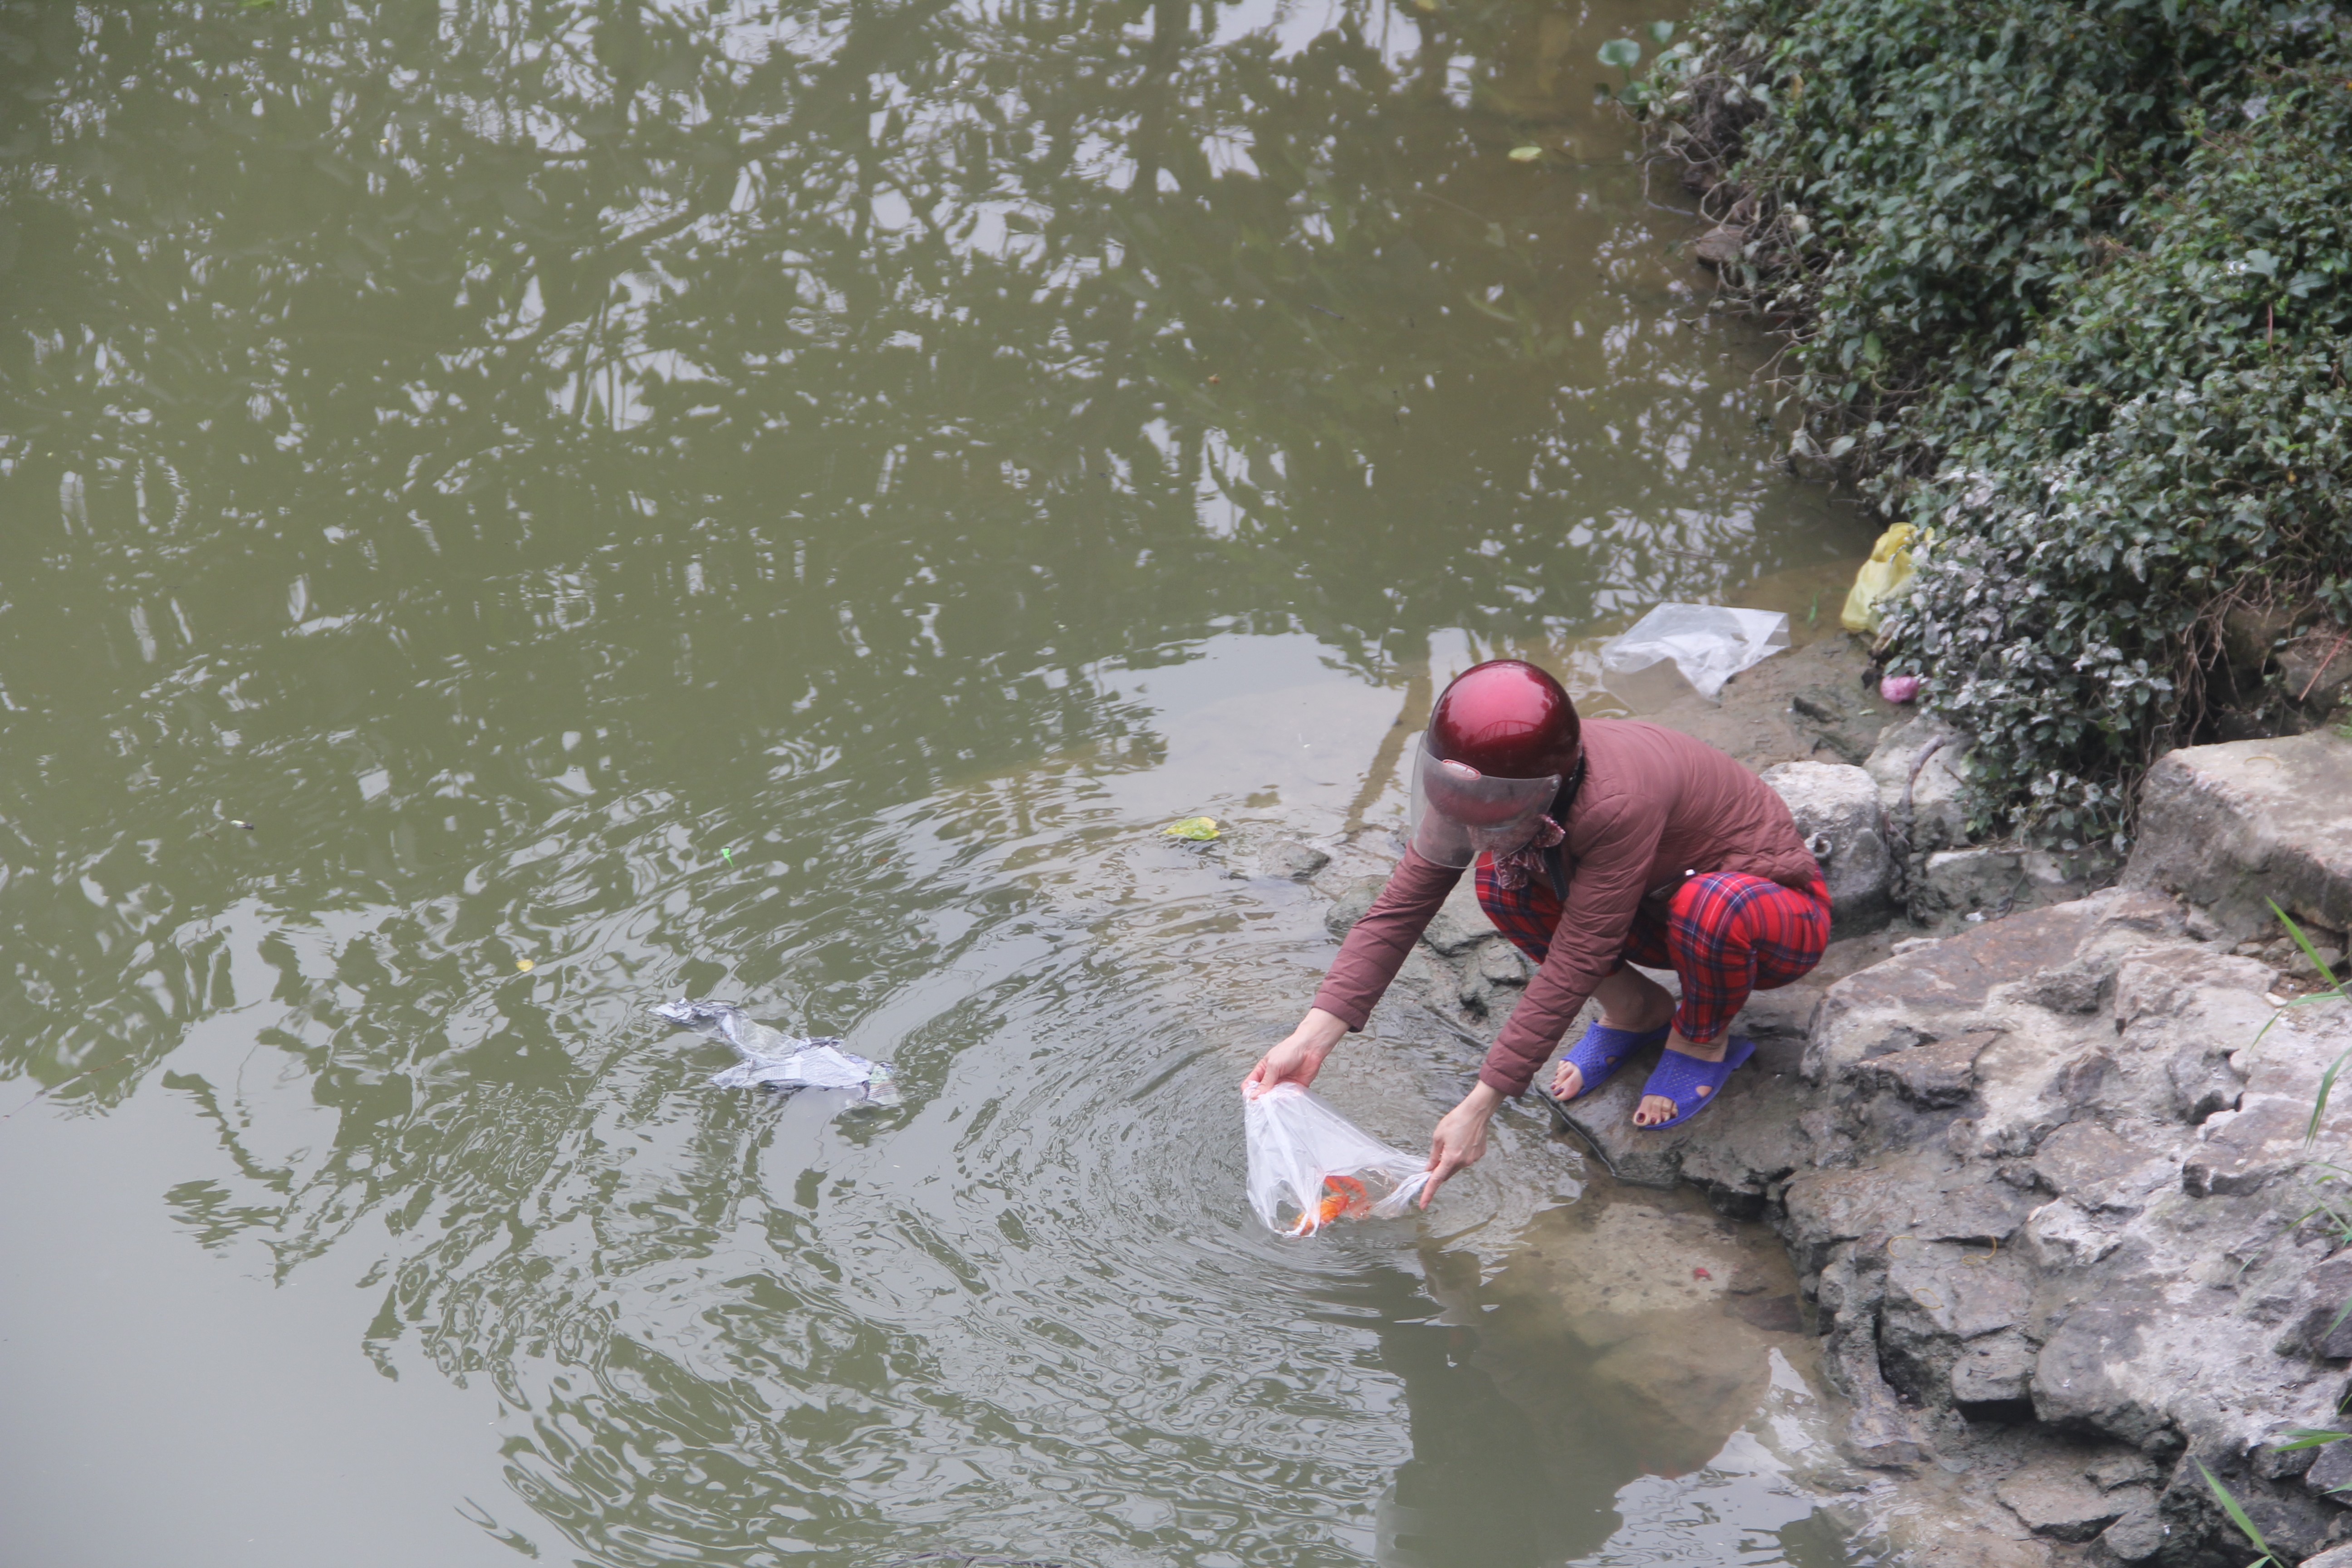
{"x":509,"y":449}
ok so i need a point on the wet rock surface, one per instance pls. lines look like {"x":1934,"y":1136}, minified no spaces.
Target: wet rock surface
{"x":2031,"y":1230}
{"x":2045,"y":1185}
{"x":1817,"y":702}
{"x":1292,"y":859}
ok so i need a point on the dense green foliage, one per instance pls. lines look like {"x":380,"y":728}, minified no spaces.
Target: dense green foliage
{"x":2070,"y":284}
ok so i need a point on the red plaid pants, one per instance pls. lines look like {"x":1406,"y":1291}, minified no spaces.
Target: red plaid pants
{"x":1724,"y":934}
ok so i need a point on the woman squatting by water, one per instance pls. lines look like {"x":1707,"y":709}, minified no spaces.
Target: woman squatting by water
{"x":1596,"y":846}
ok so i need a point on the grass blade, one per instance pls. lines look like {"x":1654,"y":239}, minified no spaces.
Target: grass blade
{"x":2311,"y":1437}
{"x":2319,"y":1104}
{"x":2334,"y":993}
{"x":2237,"y":1517}
{"x":2309,"y":952}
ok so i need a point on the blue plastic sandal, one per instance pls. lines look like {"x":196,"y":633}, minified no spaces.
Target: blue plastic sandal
{"x":1679,"y":1077}
{"x":1604,"y":1050}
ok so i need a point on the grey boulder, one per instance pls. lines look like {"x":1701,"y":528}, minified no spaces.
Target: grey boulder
{"x":1925,"y":757}
{"x":2231,"y":827}
{"x":1840,"y":818}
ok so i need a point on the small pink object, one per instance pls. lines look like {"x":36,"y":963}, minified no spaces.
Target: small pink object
{"x":1701,"y":1274}
{"x":1899,"y":688}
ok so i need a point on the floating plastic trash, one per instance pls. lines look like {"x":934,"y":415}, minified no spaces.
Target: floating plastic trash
{"x":1684,"y":650}
{"x":774,"y":1059}
{"x":1309,"y":1165}
{"x":1887,"y":570}
{"x":1199,"y":830}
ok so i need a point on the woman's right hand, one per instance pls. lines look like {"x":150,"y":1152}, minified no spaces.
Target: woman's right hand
{"x":1300,"y":1056}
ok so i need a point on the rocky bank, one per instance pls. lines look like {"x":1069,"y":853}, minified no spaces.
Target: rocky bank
{"x":2039,"y":1156}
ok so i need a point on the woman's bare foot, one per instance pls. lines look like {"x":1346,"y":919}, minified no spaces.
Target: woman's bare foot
{"x":1630,"y":1000}
{"x":1657,"y":1108}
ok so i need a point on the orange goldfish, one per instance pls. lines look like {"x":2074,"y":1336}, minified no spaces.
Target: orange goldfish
{"x":1344,"y":1198}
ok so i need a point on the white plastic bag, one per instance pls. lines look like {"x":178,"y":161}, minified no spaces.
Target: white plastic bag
{"x":1310,"y":1161}
{"x":779,"y":1060}
{"x":1677,"y":651}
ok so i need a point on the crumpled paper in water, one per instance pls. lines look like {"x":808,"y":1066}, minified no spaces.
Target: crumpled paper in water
{"x":773,"y":1059}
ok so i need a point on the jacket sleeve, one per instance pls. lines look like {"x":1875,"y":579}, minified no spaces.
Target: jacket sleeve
{"x":1604,"y":896}
{"x":1377,"y":946}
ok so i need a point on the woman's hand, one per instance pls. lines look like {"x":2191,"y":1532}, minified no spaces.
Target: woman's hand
{"x":1461,"y":1138}
{"x":1300,"y":1057}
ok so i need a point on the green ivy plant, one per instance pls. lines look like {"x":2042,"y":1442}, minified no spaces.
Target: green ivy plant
{"x":1624,"y":54}
{"x":2069,"y":287}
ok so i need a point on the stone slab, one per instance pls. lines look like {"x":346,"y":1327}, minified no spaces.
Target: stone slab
{"x":1929,"y":1076}
{"x":2099,"y":1170}
{"x":2228,"y":827}
{"x":2054,"y":1500}
{"x":2244,"y":1151}
{"x":1997,"y":1371}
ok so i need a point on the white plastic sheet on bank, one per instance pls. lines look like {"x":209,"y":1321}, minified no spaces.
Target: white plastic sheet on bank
{"x":1309,"y":1165}
{"x":1684,"y":650}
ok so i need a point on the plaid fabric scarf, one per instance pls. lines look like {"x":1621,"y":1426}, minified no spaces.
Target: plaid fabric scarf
{"x":1513,"y":870}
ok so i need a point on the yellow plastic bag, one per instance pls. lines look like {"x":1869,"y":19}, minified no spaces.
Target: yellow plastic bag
{"x":1888,"y":568}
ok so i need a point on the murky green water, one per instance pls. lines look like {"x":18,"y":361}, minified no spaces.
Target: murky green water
{"x":780,"y":503}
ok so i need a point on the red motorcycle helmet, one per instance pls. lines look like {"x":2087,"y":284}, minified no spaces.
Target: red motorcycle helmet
{"x":1508,"y":720}
{"x":1502,"y":740}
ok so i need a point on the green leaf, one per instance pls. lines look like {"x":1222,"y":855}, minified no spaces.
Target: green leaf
{"x":1198,"y":829}
{"x":2262,"y":262}
{"x":1661,"y":33}
{"x":1622,"y":53}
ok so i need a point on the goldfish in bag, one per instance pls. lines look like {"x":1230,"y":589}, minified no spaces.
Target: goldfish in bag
{"x":1309,"y":1165}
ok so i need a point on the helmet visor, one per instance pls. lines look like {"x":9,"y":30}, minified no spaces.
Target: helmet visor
{"x":1459,"y":813}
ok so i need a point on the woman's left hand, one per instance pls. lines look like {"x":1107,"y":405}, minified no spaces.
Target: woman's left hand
{"x":1460,"y":1139}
